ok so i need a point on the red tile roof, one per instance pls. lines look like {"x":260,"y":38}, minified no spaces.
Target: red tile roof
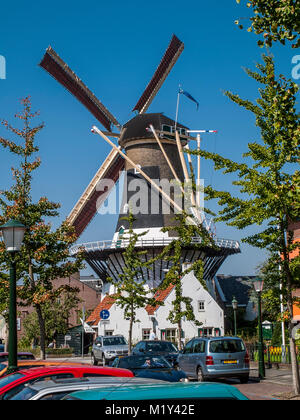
{"x":159,"y":296}
{"x":106,"y":303}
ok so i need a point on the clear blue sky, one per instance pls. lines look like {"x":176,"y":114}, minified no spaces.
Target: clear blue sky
{"x":115,"y":47}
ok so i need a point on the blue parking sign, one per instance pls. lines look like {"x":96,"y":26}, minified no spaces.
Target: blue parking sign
{"x":104,"y":314}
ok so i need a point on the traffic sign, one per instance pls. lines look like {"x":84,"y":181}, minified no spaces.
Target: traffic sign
{"x":104,"y":314}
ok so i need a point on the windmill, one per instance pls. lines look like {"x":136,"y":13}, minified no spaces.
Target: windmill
{"x":149,"y":148}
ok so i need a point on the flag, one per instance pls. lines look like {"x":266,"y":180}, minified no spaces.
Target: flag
{"x":189,"y":96}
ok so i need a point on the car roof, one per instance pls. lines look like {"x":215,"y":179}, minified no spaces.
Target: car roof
{"x":178,"y":390}
{"x":111,"y":371}
{"x":105,"y":381}
{"x":41,"y":366}
{"x":217,"y":338}
{"x":109,"y":336}
{"x":155,"y":341}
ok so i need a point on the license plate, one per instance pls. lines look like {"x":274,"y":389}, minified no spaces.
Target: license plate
{"x":230,"y":362}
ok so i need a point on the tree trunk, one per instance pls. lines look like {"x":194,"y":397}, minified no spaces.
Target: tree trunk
{"x":42,"y":331}
{"x":39,"y":313}
{"x":179,"y":335}
{"x":295,"y":367}
{"x":130,"y":336}
{"x":289,"y":298}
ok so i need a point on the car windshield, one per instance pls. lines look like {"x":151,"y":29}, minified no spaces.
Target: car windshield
{"x":2,"y":366}
{"x":226,"y":346}
{"x":24,"y":394}
{"x":114,"y":341}
{"x":142,"y":362}
{"x":10,"y":378}
{"x":162,"y":346}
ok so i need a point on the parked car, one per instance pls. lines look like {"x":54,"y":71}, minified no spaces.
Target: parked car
{"x":107,"y":348}
{"x":162,"y":392}
{"x":28,"y":364}
{"x":206,"y":358}
{"x":162,"y":348}
{"x":21,"y":356}
{"x":57,"y":389}
{"x":14,"y":383}
{"x":156,"y":367}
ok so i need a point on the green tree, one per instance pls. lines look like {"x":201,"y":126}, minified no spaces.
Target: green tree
{"x":131,"y":293}
{"x":270,"y":186}
{"x":276,"y":20}
{"x":56,"y":313}
{"x":185,"y":232}
{"x":45,"y":253}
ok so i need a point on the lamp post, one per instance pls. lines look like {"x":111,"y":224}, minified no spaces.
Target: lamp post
{"x":13,"y":235}
{"x":258,"y":285}
{"x":234,"y":307}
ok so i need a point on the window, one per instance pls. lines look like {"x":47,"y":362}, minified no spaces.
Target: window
{"x":205,"y":332}
{"x":114,"y":341}
{"x":171,"y":334}
{"x":208,"y":332}
{"x":199,"y":346}
{"x":201,"y":305}
{"x":109,"y":332}
{"x":146,"y":334}
{"x":24,"y":391}
{"x":98,"y":341}
{"x":186,"y":266}
{"x":166,"y":128}
{"x":189,"y":347}
{"x":226,"y":346}
{"x":153,"y":347}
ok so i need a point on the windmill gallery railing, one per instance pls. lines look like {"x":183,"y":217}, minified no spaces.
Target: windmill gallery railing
{"x":145,"y":243}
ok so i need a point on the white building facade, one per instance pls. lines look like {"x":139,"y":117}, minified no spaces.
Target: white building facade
{"x":206,"y":310}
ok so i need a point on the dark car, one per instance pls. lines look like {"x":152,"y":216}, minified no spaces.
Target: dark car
{"x":21,"y":356}
{"x":155,"y":367}
{"x":161,"y":348}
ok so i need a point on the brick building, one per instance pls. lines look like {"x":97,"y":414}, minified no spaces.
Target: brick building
{"x":89,"y":293}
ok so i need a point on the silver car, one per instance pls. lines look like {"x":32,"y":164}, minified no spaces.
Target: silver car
{"x":206,"y":358}
{"x":107,"y":348}
{"x":59,"y":388}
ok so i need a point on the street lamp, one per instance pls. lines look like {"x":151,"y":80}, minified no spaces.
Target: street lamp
{"x":258,"y":285}
{"x":13,"y":235}
{"x":234,"y":307}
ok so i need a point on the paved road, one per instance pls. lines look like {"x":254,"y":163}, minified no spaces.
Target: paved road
{"x":277,"y":381}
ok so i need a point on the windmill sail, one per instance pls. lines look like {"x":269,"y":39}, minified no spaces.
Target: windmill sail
{"x":55,"y":66}
{"x":170,"y":57}
{"x":86,"y":207}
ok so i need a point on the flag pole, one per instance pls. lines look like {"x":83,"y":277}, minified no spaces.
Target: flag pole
{"x":177,"y":107}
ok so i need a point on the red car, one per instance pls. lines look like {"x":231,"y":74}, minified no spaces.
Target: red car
{"x":11,"y":384}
